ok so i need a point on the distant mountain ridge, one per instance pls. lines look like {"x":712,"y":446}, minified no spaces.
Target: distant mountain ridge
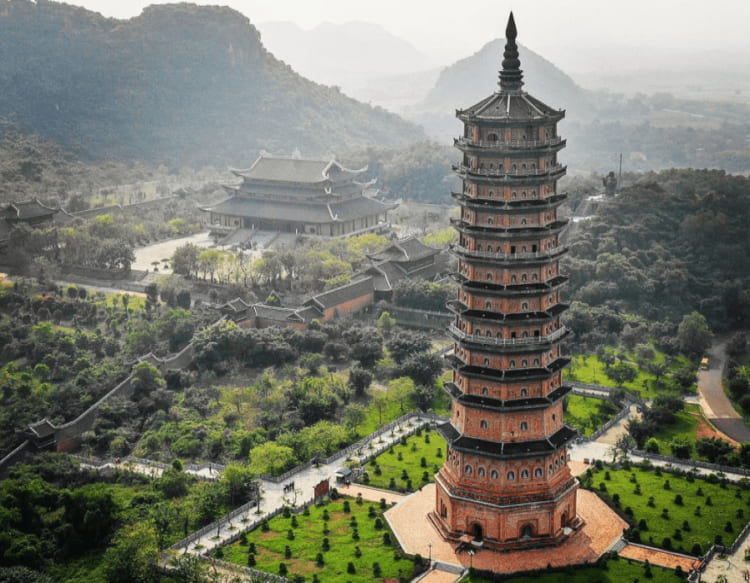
{"x":179,"y":84}
{"x":471,"y":79}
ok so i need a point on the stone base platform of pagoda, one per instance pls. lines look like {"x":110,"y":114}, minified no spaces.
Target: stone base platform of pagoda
{"x":416,"y":533}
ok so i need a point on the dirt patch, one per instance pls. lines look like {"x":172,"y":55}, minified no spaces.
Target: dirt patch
{"x":704,"y":429}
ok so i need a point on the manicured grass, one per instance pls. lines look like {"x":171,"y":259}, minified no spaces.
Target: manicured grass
{"x":707,"y":508}
{"x":586,"y":414}
{"x":308,"y":541}
{"x":589,"y":369}
{"x":683,"y":428}
{"x":387,"y":470}
{"x":615,"y":570}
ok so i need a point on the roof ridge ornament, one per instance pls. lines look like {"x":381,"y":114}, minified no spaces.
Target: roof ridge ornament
{"x":511,"y":76}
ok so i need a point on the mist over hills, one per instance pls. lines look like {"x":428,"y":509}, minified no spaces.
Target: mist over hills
{"x":179,"y":84}
{"x":467,"y":81}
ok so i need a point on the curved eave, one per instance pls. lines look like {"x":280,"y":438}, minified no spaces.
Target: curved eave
{"x":510,"y":206}
{"x":508,"y":376}
{"x":511,"y":290}
{"x":510,"y":177}
{"x":513,"y":259}
{"x":490,"y":404}
{"x":486,"y":120}
{"x":511,"y":150}
{"x":499,"y":233}
{"x":479,"y":316}
{"x":506,"y":450}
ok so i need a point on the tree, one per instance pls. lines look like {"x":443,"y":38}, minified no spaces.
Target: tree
{"x":359,"y":380}
{"x":405,"y":344}
{"x":239,"y":483}
{"x":271,"y":458}
{"x":693,"y":335}
{"x":146,"y":378}
{"x":625,"y":443}
{"x":133,"y":555}
{"x":185,"y":260}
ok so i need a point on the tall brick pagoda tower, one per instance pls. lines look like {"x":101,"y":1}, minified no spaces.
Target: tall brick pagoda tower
{"x":505,"y":481}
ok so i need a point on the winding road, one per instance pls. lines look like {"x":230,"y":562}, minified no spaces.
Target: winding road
{"x":715,"y":404}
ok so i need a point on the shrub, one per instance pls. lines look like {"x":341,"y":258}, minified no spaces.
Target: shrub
{"x":642,"y":524}
{"x":251,"y":548}
{"x":290,"y":534}
{"x":665,"y":513}
{"x":371,"y":512}
{"x":287,"y":552}
{"x":243,"y":538}
{"x":286,"y":512}
{"x":376,"y":570}
{"x":728,"y":527}
{"x":319,"y":560}
{"x":686,"y":526}
{"x":326,"y":516}
{"x":696,"y":550}
{"x":392,"y":484}
{"x":383,"y":504}
{"x":678,"y":500}
{"x":650,"y":502}
{"x":439,"y":452}
{"x":378,"y":524}
{"x":295,"y":522}
{"x":387,"y":539}
{"x":264,"y":525}
{"x":347,"y":508}
{"x":709,"y":502}
{"x":326,"y":546}
{"x":357,"y":552}
{"x":667,"y":485}
{"x":350,"y":568}
{"x":423,"y":462}
{"x":283,"y":569}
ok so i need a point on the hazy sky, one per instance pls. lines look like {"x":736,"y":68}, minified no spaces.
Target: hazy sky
{"x":578,"y":35}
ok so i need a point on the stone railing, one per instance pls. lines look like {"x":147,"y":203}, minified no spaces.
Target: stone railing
{"x":507,"y":256}
{"x":476,"y":338}
{"x":502,"y":145}
{"x":502,"y":172}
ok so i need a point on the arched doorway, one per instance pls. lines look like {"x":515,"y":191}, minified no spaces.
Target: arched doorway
{"x":476,"y":530}
{"x":527,"y":531}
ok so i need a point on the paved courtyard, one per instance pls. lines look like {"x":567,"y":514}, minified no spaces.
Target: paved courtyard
{"x":601,"y":531}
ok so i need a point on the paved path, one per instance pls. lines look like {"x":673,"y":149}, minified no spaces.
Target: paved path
{"x":274,"y":496}
{"x":716,"y":405}
{"x":144,"y":256}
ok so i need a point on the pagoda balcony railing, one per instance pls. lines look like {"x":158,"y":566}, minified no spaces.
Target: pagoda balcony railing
{"x":509,"y":256}
{"x":490,"y":341}
{"x":504,"y":145}
{"x":502,"y":172}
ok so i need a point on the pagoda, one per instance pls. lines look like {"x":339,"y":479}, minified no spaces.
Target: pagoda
{"x":505,"y":483}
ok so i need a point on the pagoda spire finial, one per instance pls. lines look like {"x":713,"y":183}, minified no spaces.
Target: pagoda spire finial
{"x":511,"y":75}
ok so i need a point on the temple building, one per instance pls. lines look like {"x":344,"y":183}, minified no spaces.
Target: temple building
{"x":300,"y":196}
{"x":506,"y":483}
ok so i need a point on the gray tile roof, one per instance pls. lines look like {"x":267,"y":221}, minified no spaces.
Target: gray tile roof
{"x":283,"y":169}
{"x":407,"y":250}
{"x":24,"y":211}
{"x":300,"y":211}
{"x":342,"y":294}
{"x":511,"y":106}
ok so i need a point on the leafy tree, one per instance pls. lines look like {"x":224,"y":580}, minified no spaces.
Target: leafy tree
{"x":694,"y":335}
{"x":359,"y":380}
{"x":271,"y":458}
{"x":239,"y":483}
{"x":185,"y":260}
{"x":133,"y":555}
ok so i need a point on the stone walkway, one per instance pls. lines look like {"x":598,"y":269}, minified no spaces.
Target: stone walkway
{"x":274,"y":496}
{"x":602,"y":529}
{"x":659,"y":557}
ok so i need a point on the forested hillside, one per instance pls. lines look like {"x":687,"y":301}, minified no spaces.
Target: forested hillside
{"x":675,"y":242}
{"x":179,"y":84}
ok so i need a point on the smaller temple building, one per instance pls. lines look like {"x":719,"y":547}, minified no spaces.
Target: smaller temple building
{"x":300,"y":196}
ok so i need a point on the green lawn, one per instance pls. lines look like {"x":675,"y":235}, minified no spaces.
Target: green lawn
{"x":616,"y":570}
{"x":387,"y":470}
{"x":684,"y":428}
{"x":309,"y":540}
{"x":707,"y":510}
{"x":587,"y":414}
{"x":589,"y":369}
